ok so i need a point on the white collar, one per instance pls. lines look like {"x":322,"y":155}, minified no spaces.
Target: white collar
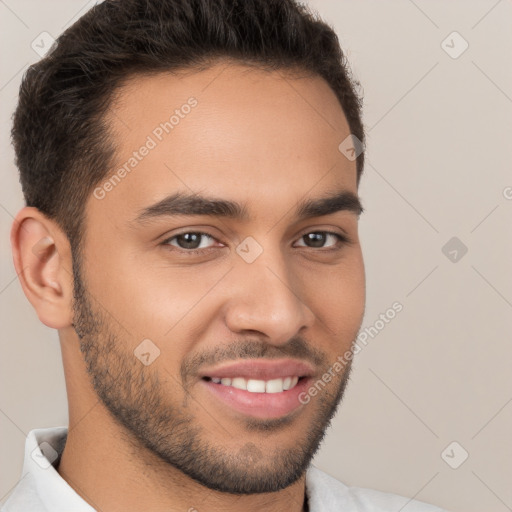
{"x":41,"y":488}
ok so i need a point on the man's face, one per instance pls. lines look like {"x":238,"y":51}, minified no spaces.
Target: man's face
{"x":266,"y":300}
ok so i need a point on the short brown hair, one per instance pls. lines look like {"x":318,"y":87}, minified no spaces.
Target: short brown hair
{"x":62,"y":146}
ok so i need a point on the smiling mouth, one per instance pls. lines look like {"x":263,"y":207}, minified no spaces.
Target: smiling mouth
{"x":258,"y":388}
{"x":256,"y":385}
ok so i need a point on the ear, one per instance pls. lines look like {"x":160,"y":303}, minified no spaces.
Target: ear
{"x":42,"y":258}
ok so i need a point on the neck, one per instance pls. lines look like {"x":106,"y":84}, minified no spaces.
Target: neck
{"x":107,"y":467}
{"x":112,"y":476}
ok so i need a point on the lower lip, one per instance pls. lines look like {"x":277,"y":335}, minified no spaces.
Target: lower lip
{"x":259,"y":405}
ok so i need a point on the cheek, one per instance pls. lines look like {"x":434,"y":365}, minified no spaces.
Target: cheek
{"x":151,"y":299}
{"x":338,"y":299}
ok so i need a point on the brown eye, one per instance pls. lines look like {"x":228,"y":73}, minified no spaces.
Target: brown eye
{"x":319,"y":239}
{"x":190,"y":240}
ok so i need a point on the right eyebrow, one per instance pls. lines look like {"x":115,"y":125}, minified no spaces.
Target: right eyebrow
{"x":193,"y":204}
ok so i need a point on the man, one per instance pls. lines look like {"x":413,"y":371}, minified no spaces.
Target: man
{"x":191,"y":171}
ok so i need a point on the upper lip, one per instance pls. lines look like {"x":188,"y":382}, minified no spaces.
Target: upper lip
{"x":261,"y":369}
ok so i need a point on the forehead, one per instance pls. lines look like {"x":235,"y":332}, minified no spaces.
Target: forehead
{"x":225,"y":129}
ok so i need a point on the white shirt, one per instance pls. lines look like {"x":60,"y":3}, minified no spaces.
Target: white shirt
{"x":42,"y":489}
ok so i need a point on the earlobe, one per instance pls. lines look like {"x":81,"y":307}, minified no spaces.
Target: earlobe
{"x":42,"y":259}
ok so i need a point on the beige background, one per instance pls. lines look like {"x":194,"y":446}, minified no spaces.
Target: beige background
{"x":439,"y":160}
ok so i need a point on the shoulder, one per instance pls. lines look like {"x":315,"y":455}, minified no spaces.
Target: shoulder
{"x":326,"y":494}
{"x":24,"y":497}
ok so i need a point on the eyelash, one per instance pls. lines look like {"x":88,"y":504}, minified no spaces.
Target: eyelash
{"x":342,"y":239}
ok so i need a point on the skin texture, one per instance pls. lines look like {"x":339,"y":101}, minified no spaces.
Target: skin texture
{"x":139,"y":433}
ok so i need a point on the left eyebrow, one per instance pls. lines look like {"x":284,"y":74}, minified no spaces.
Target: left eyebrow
{"x":342,"y":201}
{"x":195,"y":204}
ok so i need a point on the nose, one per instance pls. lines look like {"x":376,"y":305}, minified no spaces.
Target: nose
{"x":264,"y":299}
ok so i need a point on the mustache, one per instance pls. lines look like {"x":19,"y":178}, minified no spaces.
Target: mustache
{"x":296,"y":348}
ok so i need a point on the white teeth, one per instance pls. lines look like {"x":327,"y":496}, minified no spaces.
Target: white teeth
{"x":274,"y":386}
{"x":258,"y":386}
{"x":239,"y":383}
